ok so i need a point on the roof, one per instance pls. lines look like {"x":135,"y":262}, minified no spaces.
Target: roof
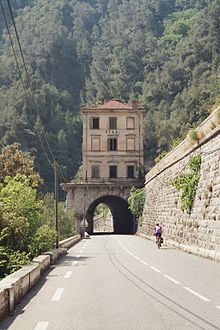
{"x":112,"y":104}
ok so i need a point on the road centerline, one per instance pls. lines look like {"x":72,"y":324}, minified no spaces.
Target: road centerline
{"x":155,"y":269}
{"x":57,"y":295}
{"x":42,"y":325}
{"x":171,"y":279}
{"x":196,"y":294}
{"x":68,"y":274}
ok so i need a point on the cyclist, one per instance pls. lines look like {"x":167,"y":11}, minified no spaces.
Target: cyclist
{"x":158,"y":231}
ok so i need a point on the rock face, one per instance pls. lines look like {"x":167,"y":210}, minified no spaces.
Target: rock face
{"x":199,"y":231}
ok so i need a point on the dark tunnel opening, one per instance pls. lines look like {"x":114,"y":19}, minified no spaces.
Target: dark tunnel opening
{"x":123,"y":219}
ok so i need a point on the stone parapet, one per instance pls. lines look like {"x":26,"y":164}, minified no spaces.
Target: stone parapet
{"x":14,"y":286}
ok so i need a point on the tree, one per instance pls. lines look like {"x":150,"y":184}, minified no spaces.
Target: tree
{"x":136,"y":201}
{"x":20,"y":211}
{"x":14,"y":161}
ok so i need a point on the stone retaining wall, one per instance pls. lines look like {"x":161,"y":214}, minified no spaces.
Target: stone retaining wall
{"x":15,"y":286}
{"x":198,"y":232}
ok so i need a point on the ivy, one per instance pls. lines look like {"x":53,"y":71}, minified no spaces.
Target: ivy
{"x":187,"y":183}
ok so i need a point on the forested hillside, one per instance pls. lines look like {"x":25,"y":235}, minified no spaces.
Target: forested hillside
{"x":164,"y":53}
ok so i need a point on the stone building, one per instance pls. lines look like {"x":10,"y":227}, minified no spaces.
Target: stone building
{"x":112,"y":161}
{"x":112,"y":140}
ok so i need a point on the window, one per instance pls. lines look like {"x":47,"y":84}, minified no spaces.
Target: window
{"x":95,"y":123}
{"x":112,"y":123}
{"x":112,"y":144}
{"x":95,"y":171}
{"x":130,"y":144}
{"x":95,"y":144}
{"x":130,"y":171}
{"x":130,"y":122}
{"x":112,"y":171}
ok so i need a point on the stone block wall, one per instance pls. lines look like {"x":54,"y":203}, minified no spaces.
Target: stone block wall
{"x":198,"y":232}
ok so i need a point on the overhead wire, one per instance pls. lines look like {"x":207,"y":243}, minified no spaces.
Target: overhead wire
{"x":13,"y":49}
{"x":30,"y":88}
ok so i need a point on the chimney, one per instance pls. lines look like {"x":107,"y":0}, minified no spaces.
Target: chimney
{"x":135,"y":104}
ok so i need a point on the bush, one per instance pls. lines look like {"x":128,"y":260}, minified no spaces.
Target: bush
{"x":136,"y":201}
{"x":43,"y":240}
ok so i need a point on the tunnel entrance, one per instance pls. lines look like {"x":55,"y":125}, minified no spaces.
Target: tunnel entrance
{"x":122,"y":218}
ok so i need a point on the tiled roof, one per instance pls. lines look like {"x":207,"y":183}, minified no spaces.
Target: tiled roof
{"x":114,"y":104}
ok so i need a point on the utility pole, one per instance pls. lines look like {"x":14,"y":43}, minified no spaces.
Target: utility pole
{"x":56,"y":202}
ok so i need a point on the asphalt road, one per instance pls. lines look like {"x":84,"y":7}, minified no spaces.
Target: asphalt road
{"x":123,"y":283}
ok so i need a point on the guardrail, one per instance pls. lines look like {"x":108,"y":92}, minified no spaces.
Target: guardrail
{"x":14,"y":286}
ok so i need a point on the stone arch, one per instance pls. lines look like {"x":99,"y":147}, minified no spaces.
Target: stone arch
{"x":123,"y":219}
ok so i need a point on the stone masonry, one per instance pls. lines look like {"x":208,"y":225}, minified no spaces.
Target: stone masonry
{"x":199,"y":232}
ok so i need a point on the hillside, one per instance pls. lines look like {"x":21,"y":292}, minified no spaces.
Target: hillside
{"x":165,"y":53}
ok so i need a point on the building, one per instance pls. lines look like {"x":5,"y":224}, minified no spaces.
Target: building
{"x":112,"y":162}
{"x":112,"y":140}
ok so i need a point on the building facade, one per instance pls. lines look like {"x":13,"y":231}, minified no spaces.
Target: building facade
{"x":112,"y":140}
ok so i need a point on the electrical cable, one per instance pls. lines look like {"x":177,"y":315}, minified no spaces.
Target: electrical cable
{"x":13,"y":49}
{"x":28,"y":78}
{"x":30,"y":87}
{"x":20,"y":75}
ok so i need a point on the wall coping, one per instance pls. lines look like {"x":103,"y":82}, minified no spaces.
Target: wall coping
{"x":205,"y":130}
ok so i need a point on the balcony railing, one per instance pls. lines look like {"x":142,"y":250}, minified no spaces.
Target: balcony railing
{"x":107,"y":180}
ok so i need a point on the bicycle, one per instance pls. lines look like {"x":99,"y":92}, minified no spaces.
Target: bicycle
{"x":159,"y":242}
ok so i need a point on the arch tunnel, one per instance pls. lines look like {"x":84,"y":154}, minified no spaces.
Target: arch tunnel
{"x":123,"y":220}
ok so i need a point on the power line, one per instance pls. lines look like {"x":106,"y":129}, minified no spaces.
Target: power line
{"x":13,"y":49}
{"x":54,"y":161}
{"x":20,"y":75}
{"x":28,"y":78}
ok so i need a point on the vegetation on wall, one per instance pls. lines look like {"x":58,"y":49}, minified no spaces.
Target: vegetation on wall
{"x":187,"y":183}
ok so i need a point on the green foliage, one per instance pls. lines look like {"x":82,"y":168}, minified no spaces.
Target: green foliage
{"x":10,"y":261}
{"x":176,"y":142}
{"x":161,"y":155}
{"x":187,"y":183}
{"x":67,"y":220}
{"x":164,"y":53}
{"x":136,"y":201}
{"x":20,"y":211}
{"x":43,"y":240}
{"x":102,"y":209}
{"x":177,"y":26}
{"x":15,"y":161}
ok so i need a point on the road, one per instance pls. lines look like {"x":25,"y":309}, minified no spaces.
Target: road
{"x":120,"y":282}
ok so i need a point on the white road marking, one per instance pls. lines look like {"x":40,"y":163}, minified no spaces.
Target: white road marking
{"x":218,"y":307}
{"x":68,"y":274}
{"x":197,"y":294}
{"x":57,"y":295}
{"x":75,"y":263}
{"x":171,"y":279}
{"x":144,"y":262}
{"x":156,"y":270}
{"x":137,"y":258}
{"x":41,"y":326}
{"x":78,"y":256}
